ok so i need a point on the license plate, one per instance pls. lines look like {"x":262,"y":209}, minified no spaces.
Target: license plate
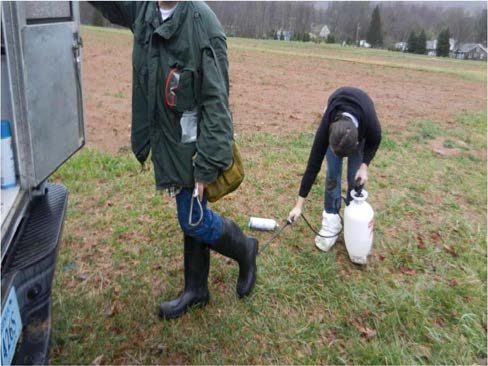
{"x":11,"y":327}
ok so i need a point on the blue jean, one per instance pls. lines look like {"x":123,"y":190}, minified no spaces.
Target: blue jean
{"x":332,"y":200}
{"x":210,"y":227}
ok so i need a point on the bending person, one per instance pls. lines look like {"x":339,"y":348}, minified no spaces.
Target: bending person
{"x":349,"y":128}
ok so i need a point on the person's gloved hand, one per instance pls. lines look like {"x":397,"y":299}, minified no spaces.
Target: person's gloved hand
{"x":294,"y":214}
{"x":362,"y":174}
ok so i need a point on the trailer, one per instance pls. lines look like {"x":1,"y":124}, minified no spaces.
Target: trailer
{"x":42,"y":127}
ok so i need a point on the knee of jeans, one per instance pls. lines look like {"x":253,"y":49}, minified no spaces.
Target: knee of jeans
{"x":188,"y":229}
{"x":330,"y":184}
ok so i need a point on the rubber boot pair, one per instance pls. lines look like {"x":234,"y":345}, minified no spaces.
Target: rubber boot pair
{"x":233,"y":244}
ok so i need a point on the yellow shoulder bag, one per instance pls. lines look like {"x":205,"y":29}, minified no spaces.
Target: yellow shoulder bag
{"x":227,"y":181}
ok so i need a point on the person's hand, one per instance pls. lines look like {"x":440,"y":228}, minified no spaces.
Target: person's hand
{"x":362,"y":174}
{"x":294,"y":214}
{"x":200,"y":187}
{"x":296,"y":211}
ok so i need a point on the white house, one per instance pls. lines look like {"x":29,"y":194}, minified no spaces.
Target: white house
{"x":431,"y":46}
{"x":324,"y":32}
{"x":286,"y":35}
{"x":401,"y":46}
{"x":363,"y":43}
{"x":470,"y":51}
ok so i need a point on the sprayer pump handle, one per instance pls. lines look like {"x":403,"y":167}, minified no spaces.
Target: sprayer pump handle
{"x":358,"y":187}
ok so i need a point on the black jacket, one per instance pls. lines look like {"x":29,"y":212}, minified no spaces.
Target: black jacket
{"x":359,"y":104}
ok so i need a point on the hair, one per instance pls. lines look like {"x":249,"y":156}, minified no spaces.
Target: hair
{"x":343,"y":137}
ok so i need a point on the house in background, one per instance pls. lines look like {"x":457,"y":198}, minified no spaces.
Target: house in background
{"x":470,"y":51}
{"x":401,"y":46}
{"x":319,"y":31}
{"x":286,"y":35}
{"x":363,"y":43}
{"x":324,"y":32}
{"x":431,"y":46}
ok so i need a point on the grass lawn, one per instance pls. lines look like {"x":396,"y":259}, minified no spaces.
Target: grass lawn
{"x":420,"y":300}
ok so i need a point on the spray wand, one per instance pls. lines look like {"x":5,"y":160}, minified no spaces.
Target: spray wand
{"x":257,"y":223}
{"x":287,"y":223}
{"x":262,"y":224}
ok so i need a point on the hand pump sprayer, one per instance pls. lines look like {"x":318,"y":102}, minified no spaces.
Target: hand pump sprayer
{"x":358,"y":226}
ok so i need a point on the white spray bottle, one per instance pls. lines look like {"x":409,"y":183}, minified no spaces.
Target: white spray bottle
{"x":358,"y":227}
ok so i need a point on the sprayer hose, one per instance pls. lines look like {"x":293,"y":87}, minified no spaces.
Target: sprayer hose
{"x":287,"y":223}
{"x":324,"y":236}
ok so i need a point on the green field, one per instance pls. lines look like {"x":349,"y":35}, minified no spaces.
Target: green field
{"x":384,"y":58}
{"x":420,"y":300}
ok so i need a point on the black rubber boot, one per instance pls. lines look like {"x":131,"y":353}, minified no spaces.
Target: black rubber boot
{"x":197,"y":262}
{"x":243,"y":249}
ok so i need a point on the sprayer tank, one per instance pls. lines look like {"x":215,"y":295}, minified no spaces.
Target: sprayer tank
{"x":358,"y":228}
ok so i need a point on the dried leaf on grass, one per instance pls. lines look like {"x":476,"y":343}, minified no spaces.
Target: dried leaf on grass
{"x":408,"y":271}
{"x":436,"y":237}
{"x":114,"y":309}
{"x":453,"y":282}
{"x":420,"y":241}
{"x":97,"y":361}
{"x":426,"y":352}
{"x":451,"y":250}
{"x":366,"y":332}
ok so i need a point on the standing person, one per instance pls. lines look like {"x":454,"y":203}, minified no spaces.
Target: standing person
{"x":180,"y":113}
{"x":349,"y":128}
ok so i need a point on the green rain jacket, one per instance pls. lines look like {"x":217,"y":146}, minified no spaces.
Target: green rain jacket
{"x":192,"y":41}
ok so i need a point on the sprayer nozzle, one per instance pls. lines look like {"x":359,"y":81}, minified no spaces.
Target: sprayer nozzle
{"x":258,"y":223}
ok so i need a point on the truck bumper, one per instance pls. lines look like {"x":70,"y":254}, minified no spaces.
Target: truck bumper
{"x":29,"y":267}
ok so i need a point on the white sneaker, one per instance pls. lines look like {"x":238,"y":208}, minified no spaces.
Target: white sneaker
{"x":359,"y":260}
{"x":331,"y":225}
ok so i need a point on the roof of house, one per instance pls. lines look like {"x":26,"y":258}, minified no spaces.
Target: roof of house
{"x":467,"y":47}
{"x":325,"y":31}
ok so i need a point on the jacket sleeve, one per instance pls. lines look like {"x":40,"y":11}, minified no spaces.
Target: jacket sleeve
{"x":372,"y":133}
{"x":122,"y":13}
{"x":373,"y":139}
{"x":220,"y":47}
{"x":317,"y":154}
{"x":214,"y":144}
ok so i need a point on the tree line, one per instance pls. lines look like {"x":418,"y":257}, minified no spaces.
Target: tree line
{"x":381,"y":24}
{"x":350,"y":21}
